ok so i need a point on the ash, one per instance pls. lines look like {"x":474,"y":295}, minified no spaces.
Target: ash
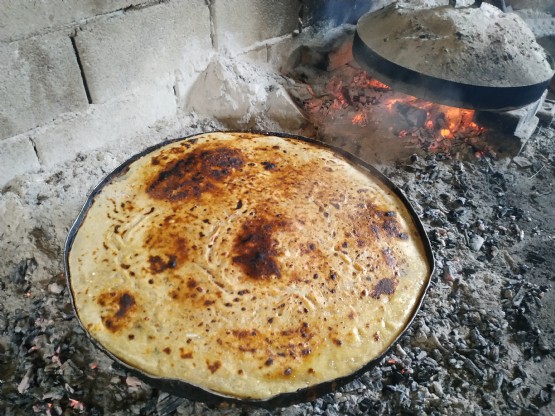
{"x":482,"y":343}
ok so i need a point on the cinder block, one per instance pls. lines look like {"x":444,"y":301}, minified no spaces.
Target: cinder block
{"x":39,"y":79}
{"x":19,"y":19}
{"x":241,"y":23}
{"x":17,"y":156}
{"x":104,"y":124}
{"x":133,"y":49}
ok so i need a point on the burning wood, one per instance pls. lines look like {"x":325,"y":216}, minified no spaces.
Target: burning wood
{"x":76,"y":404}
{"x":351,"y":93}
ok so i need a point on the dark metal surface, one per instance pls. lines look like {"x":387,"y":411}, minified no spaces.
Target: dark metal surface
{"x":193,"y":392}
{"x":443,"y":91}
{"x":438,"y":88}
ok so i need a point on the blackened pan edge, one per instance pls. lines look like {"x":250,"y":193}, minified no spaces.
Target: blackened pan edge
{"x":193,"y":392}
{"x":440,"y":90}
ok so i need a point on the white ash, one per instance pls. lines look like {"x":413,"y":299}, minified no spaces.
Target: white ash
{"x":476,"y":46}
{"x":241,"y":94}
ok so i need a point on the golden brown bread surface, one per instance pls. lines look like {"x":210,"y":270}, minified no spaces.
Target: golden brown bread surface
{"x":246,"y":264}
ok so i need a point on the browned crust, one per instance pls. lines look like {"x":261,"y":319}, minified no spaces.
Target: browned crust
{"x":255,"y":263}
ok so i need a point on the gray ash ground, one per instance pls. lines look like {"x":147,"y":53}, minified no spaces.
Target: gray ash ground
{"x":483,"y":342}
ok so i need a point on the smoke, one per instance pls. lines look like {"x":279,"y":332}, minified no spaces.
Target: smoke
{"x":338,"y":12}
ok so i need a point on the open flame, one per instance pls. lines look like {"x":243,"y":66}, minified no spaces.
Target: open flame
{"x":359,"y":119}
{"x":442,"y":121}
{"x":369,"y":102}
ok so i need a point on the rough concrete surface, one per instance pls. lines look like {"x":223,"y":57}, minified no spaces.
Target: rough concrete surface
{"x":241,"y":23}
{"x":19,"y":19}
{"x":17,"y":156}
{"x":39,"y":79}
{"x":104,"y":124}
{"x":135,"y":48}
{"x":139,"y":62}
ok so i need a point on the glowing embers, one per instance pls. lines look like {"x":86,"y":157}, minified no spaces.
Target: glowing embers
{"x":424,"y":120}
{"x":365,"y":102}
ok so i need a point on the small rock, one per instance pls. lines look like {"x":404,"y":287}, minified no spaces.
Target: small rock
{"x":365,"y":405}
{"x":522,"y":162}
{"x":167,"y":403}
{"x":449,"y":272}
{"x":497,"y":381}
{"x":489,"y":401}
{"x":402,"y":353}
{"x":24,"y":270}
{"x":516,"y":382}
{"x":494,"y":353}
{"x":543,"y":345}
{"x":25,"y":381}
{"x":544,"y":396}
{"x":420,"y":336}
{"x":55,"y":288}
{"x":476,"y":242}
{"x":507,"y":294}
{"x":437,"y":389}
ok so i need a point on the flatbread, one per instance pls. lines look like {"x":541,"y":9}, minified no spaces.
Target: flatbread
{"x":249,"y":265}
{"x":469,"y":45}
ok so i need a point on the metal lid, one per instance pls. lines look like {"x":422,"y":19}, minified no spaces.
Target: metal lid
{"x":473,"y":57}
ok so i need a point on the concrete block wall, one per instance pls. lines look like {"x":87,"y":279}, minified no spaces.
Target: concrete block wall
{"x":39,"y":80}
{"x":77,"y":75}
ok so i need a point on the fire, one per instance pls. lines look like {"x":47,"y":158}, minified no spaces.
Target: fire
{"x":438,"y":121}
{"x":335,"y":87}
{"x":359,"y":119}
{"x":446,"y":133}
{"x":363,"y":101}
{"x":374,"y":83}
{"x":390,"y":103}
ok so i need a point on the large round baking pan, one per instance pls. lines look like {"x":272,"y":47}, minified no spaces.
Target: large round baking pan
{"x":476,"y":58}
{"x":195,"y":392}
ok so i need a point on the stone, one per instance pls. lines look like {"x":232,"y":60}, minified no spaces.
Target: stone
{"x":283,"y":110}
{"x":153,"y":45}
{"x":40,"y":79}
{"x":476,"y":242}
{"x":17,"y":156}
{"x":221,"y":92}
{"x":546,"y":113}
{"x":341,"y":56}
{"x":436,"y":388}
{"x":236,"y":92}
{"x":522,"y":162}
{"x":266,"y":19}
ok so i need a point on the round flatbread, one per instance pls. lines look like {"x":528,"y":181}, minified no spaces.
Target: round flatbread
{"x":248,"y":265}
{"x":469,"y":45}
